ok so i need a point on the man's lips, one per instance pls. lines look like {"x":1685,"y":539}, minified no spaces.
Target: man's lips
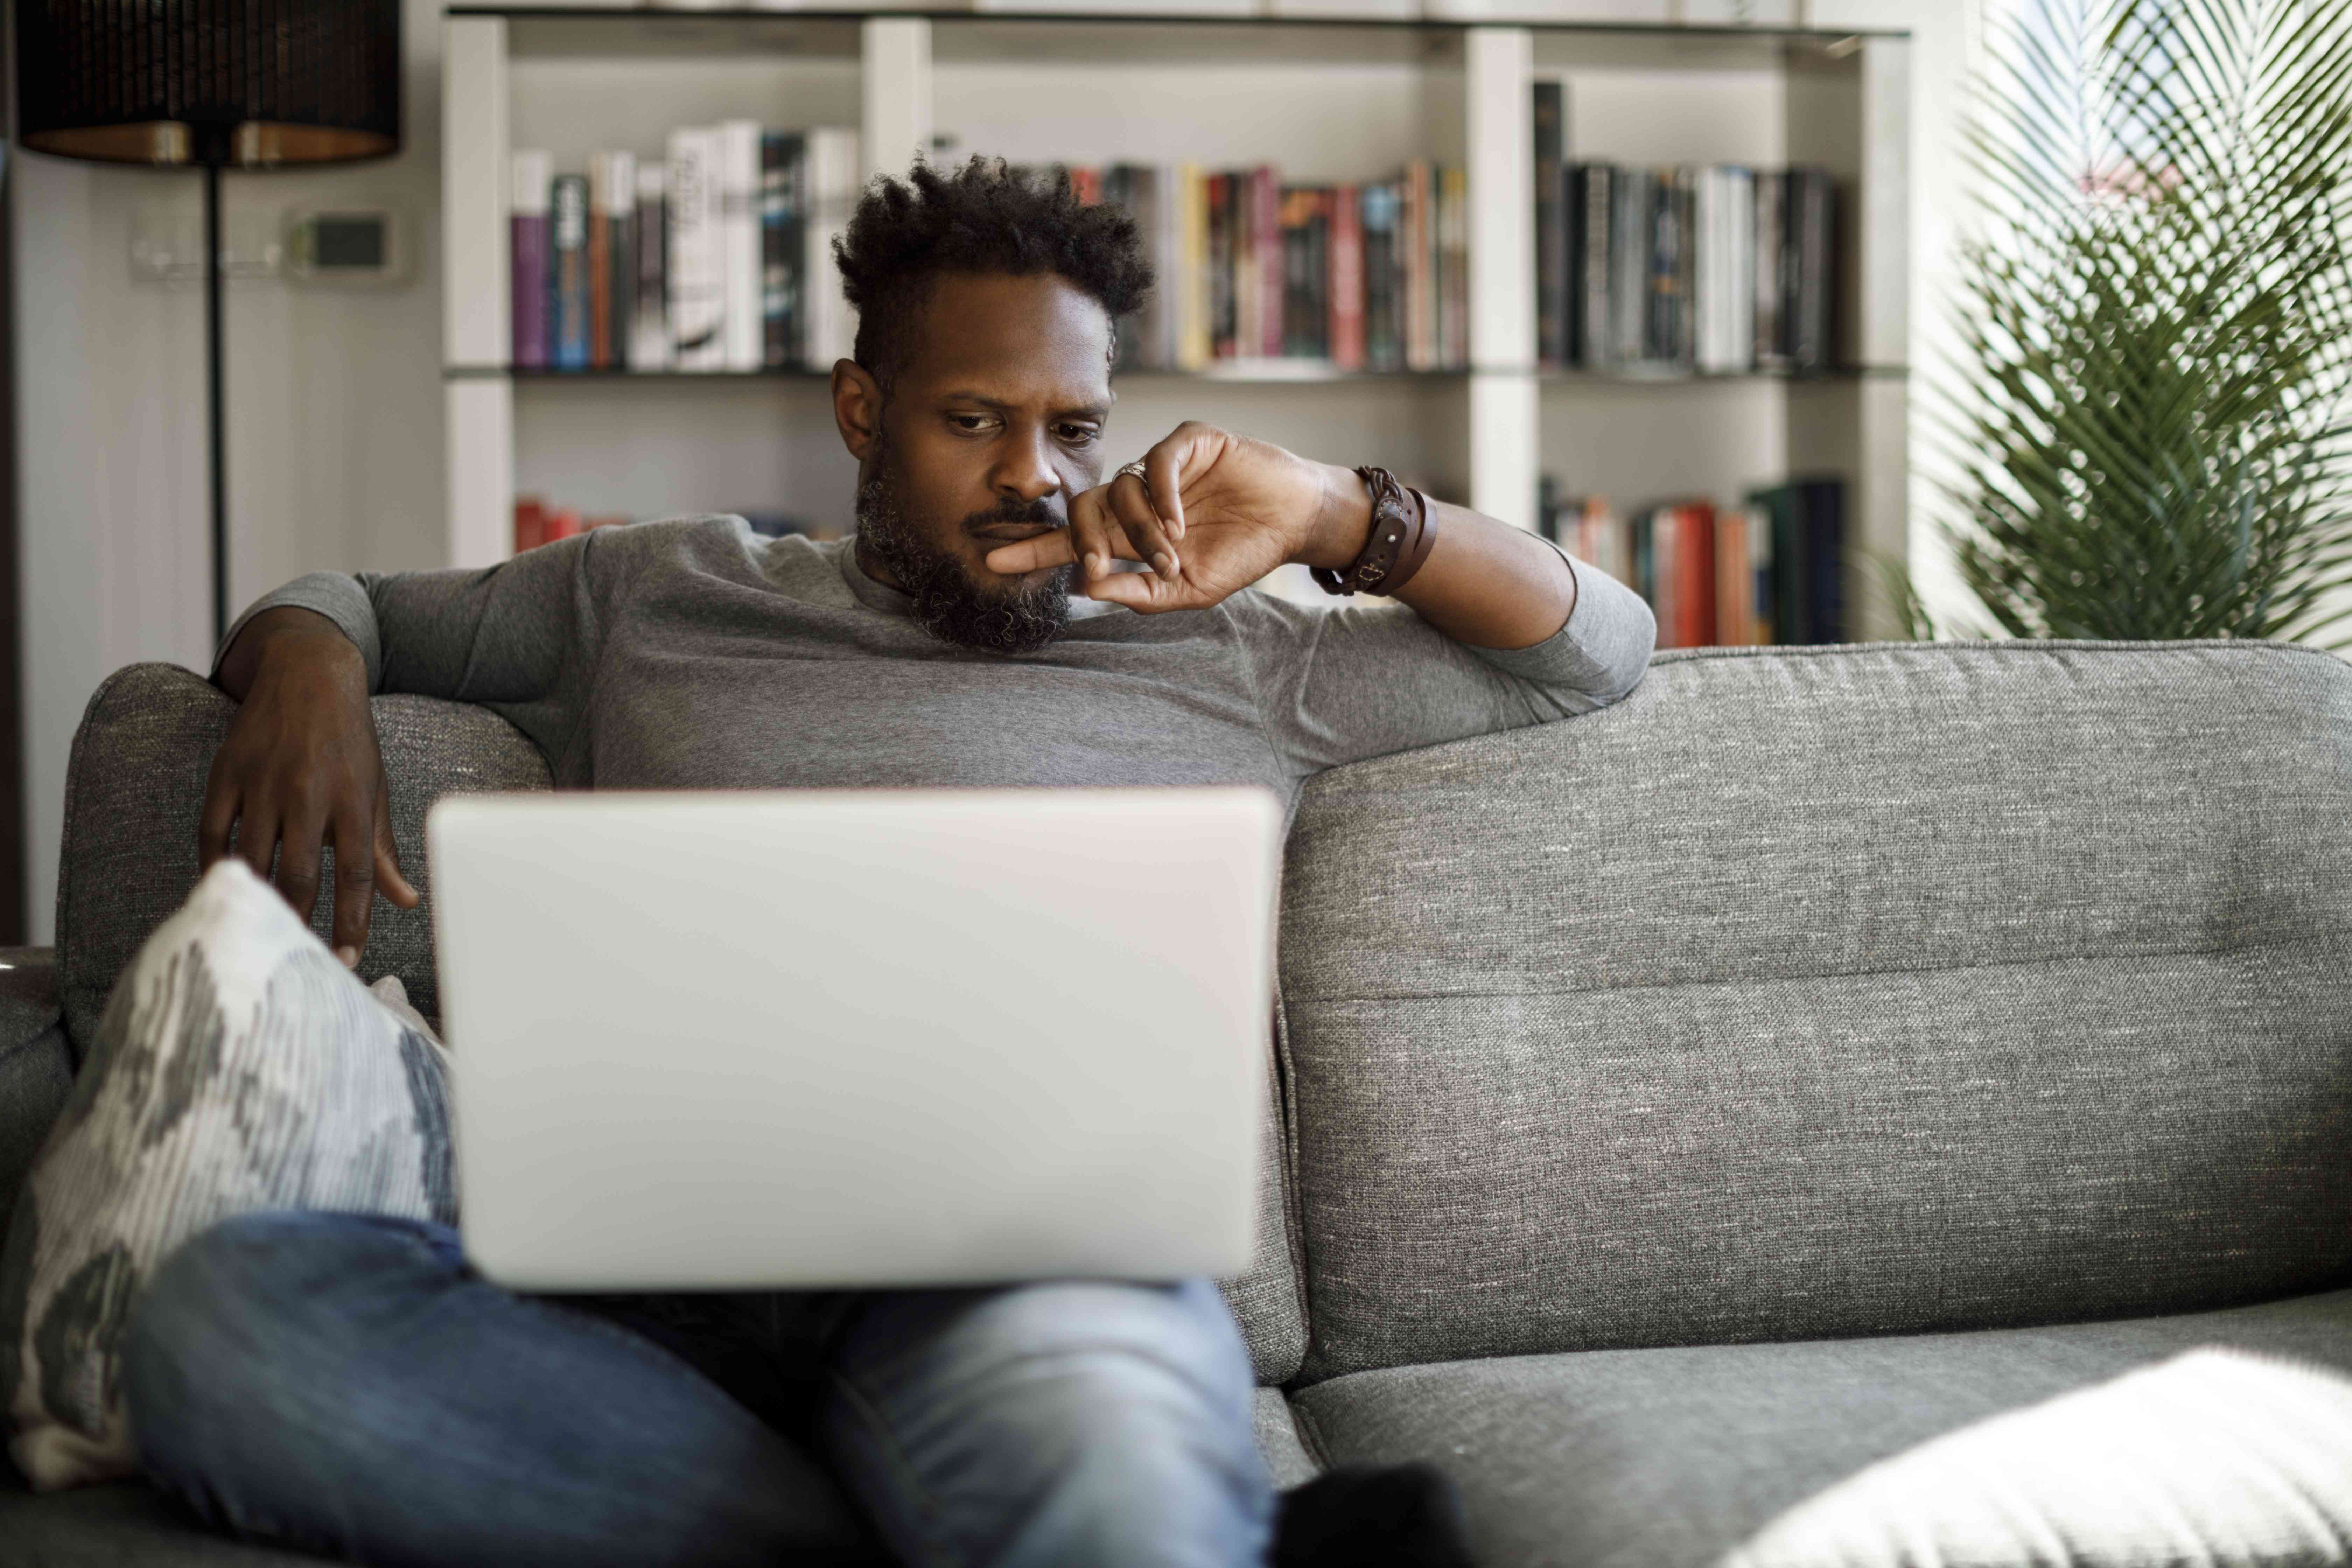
{"x":1013,"y":532}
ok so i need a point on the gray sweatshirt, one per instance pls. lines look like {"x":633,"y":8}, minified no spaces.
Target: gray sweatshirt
{"x":695,"y":654}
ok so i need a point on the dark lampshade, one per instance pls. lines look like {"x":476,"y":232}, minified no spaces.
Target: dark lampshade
{"x":242,"y":83}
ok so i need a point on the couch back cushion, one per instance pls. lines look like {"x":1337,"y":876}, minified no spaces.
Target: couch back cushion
{"x":1838,"y":991}
{"x":134,"y":789}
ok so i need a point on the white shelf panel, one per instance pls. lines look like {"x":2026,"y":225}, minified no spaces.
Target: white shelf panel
{"x":1346,"y":120}
{"x":1637,"y":442}
{"x":729,"y":444}
{"x":576,"y":105}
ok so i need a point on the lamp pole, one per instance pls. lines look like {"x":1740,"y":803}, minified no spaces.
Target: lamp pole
{"x":214,"y":402}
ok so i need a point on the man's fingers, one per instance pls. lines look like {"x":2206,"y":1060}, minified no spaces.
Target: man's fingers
{"x":389,"y":877}
{"x":354,"y":884}
{"x":257,"y":835}
{"x":1091,"y":531}
{"x":219,"y":816}
{"x":1163,"y":476}
{"x":298,"y":861}
{"x":1131,"y":506}
{"x":1054,"y":549}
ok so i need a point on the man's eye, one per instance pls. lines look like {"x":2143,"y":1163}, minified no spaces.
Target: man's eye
{"x":1080,"y":435}
{"x":971,"y":422}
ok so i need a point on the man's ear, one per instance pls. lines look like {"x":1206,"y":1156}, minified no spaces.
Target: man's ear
{"x":856,"y":407}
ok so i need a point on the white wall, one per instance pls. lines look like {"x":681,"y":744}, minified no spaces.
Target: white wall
{"x":334,"y":428}
{"x":335,"y":406}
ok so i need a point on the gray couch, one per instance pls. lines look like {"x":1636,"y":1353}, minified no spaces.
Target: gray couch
{"x":1681,"y":1108}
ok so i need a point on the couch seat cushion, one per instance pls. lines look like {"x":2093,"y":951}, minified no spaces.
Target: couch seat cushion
{"x":122,"y":1524}
{"x":1861,"y":1452}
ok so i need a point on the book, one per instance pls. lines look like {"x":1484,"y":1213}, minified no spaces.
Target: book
{"x":782,"y":249}
{"x":612,"y":247}
{"x":1379,"y":210}
{"x":1695,"y":570}
{"x":741,"y":319}
{"x":528,"y":242}
{"x":1812,"y":198}
{"x":1771,"y":348}
{"x":529,"y":523}
{"x":1346,"y":282}
{"x":698,"y":277}
{"x":568,"y":346}
{"x":1301,"y":290}
{"x":1821,"y":506}
{"x":1592,"y":198}
{"x":1735,"y":588}
{"x":1194,"y":331}
{"x":1453,"y":267}
{"x":1417,"y":247}
{"x":1223,"y":309}
{"x":649,"y":345}
{"x":1633,"y":197}
{"x":1552,"y":326}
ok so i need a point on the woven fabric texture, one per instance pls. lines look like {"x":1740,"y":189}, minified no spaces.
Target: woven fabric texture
{"x":135,"y":786}
{"x":1857,"y":990}
{"x":1679,"y":1458}
{"x":240,"y":1067}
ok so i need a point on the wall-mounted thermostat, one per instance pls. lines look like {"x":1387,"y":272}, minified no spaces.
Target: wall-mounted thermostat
{"x":348,"y":245}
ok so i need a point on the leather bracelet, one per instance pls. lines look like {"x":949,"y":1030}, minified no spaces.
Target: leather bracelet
{"x":1395,"y":547}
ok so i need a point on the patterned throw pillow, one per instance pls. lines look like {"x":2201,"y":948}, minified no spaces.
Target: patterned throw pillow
{"x":238,"y":1067}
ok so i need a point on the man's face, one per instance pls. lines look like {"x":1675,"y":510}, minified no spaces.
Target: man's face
{"x":994,"y":423}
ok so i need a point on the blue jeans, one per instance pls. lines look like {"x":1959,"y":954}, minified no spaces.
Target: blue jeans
{"x":346,"y":1384}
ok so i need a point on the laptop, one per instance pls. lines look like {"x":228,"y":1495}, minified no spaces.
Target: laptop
{"x":890,"y":1037}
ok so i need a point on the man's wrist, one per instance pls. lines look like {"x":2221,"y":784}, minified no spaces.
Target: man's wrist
{"x":1343,"y":520}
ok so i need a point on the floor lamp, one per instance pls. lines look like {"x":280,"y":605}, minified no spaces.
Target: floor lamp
{"x":218,"y":84}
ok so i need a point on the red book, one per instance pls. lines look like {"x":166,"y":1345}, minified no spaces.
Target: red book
{"x":530,"y":523}
{"x":561,"y":523}
{"x":1266,"y":232}
{"x":1346,"y":279}
{"x":1735,"y":623}
{"x":1086,"y":184}
{"x":1695,"y":567}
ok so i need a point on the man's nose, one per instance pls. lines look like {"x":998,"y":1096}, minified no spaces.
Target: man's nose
{"x":1026,"y":470}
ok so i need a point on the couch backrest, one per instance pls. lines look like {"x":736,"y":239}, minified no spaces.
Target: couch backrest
{"x":134,"y":789}
{"x":135,"y":786}
{"x":1837,"y":990}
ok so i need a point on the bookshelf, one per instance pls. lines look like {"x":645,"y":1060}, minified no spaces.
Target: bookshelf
{"x":1341,"y":98}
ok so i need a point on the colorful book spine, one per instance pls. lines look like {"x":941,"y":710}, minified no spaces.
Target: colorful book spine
{"x":1224,"y":309}
{"x":1695,"y":568}
{"x":782,"y":245}
{"x":1295,"y":220}
{"x":568,"y":252}
{"x":649,"y":345}
{"x":1347,"y":277}
{"x":611,"y":210}
{"x":1265,"y":233}
{"x":1418,"y":236}
{"x":1194,"y":349}
{"x":1381,"y":209}
{"x":528,"y":240}
{"x":697,"y":276}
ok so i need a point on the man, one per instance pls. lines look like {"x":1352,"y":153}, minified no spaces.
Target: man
{"x":347,"y":1383}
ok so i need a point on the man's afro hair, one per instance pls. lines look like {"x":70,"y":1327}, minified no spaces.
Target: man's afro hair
{"x":985,"y":217}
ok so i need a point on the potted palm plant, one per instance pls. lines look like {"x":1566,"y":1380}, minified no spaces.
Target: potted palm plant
{"x":2147,"y":429}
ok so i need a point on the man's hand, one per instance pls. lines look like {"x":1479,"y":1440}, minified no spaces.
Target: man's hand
{"x":1214,"y":513}
{"x":301,"y":768}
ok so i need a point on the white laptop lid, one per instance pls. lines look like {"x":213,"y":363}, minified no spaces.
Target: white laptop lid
{"x":778,"y":1039}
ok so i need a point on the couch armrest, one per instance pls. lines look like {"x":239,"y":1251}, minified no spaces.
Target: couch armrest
{"x":28,"y":994}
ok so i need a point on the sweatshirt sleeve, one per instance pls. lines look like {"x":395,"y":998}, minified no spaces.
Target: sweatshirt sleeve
{"x":516,"y":637}
{"x":1340,"y":685}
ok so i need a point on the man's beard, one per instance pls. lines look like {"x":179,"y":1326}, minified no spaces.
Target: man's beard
{"x":1019,"y":616}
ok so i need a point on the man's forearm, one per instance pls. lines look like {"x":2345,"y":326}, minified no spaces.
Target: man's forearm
{"x":1485,"y":583}
{"x":285,"y":625}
